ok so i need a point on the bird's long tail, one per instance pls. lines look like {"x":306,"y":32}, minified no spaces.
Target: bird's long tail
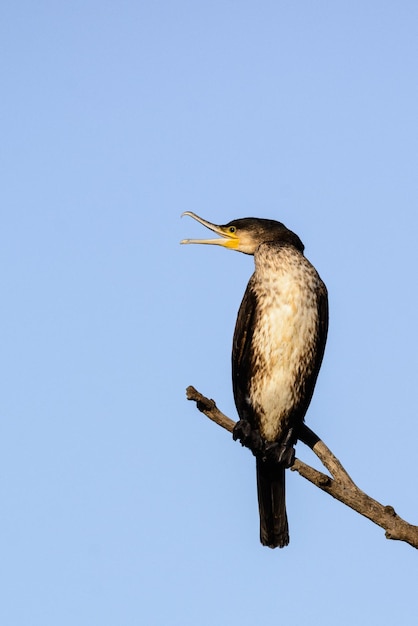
{"x":274,"y":530}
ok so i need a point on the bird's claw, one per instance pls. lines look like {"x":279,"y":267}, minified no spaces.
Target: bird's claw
{"x":249,"y":437}
{"x":273,"y":452}
{"x":279,"y":453}
{"x":242,"y":431}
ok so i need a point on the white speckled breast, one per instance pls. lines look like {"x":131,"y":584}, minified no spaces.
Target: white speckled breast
{"x":286,"y":326}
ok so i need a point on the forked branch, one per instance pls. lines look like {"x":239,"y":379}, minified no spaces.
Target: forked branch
{"x":339,"y":485}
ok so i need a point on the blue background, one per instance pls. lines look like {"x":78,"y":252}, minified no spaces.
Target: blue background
{"x":119,"y":502}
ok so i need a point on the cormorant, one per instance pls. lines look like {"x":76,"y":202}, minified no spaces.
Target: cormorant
{"x":278,"y":345}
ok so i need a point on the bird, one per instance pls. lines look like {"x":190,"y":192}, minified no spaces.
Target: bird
{"x":277,"y":351}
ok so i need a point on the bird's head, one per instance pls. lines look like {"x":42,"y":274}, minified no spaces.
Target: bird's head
{"x":246,"y":234}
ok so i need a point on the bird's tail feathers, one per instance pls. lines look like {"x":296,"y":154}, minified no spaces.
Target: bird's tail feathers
{"x":274,"y":530}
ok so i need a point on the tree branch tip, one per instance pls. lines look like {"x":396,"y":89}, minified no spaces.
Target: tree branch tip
{"x":202,"y":403}
{"x":191,"y":393}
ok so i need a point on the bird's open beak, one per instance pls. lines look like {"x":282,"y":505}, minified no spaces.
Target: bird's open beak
{"x":229,"y":238}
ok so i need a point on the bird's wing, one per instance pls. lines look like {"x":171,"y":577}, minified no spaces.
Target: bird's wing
{"x":322,"y":325}
{"x":320,"y":340}
{"x":241,"y":353}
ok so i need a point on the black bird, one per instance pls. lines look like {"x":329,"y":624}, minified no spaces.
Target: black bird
{"x":278,"y":345}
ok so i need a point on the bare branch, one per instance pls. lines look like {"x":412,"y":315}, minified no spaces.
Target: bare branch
{"x":209,"y":408}
{"x":339,"y":485}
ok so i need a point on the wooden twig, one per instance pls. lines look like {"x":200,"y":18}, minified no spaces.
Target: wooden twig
{"x":339,"y":485}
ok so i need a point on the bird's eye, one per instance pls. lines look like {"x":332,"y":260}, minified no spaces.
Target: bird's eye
{"x":232,"y":229}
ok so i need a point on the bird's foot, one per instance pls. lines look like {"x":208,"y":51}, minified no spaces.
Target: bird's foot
{"x":279,"y":453}
{"x":283,"y":453}
{"x":248,"y":436}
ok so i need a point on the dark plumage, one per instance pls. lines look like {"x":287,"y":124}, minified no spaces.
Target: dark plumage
{"x":277,"y":351}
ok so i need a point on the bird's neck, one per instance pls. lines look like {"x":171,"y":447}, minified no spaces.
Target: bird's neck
{"x":275,"y":258}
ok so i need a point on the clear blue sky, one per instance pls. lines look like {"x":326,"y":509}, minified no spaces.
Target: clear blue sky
{"x":119,"y":503}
